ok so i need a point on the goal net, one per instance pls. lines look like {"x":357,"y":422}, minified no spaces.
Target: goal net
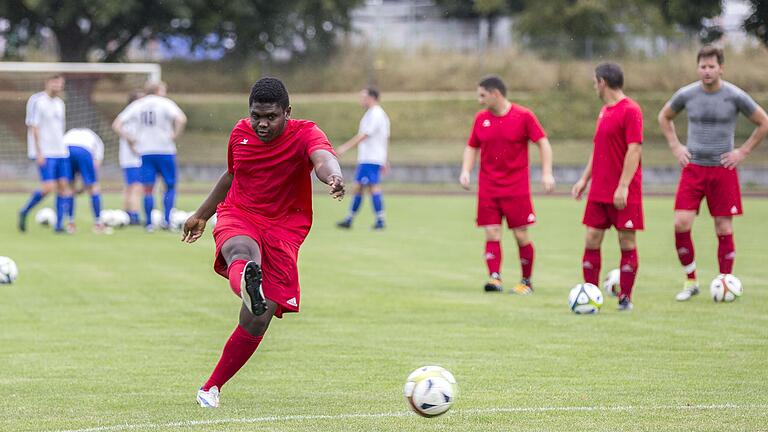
{"x":94,"y":93}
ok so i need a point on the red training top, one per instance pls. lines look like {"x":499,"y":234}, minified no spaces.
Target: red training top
{"x":503,"y":143}
{"x":272,"y":180}
{"x":617,"y":127}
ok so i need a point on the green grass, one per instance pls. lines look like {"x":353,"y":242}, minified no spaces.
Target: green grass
{"x":121,"y":330}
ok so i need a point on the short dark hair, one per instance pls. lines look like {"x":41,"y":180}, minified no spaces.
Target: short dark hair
{"x":54,"y":76}
{"x":610,"y":73}
{"x":269,"y":90}
{"x":493,"y":82}
{"x":711,"y":51}
{"x":372,"y":92}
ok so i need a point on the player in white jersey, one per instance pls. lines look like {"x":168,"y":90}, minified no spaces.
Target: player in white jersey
{"x":372,"y":139}
{"x":45,"y":121}
{"x":86,"y":152}
{"x":157,"y":122}
{"x":130,"y":163}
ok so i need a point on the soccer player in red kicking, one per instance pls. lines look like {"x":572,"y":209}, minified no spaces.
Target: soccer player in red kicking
{"x":615,"y":195}
{"x":264,"y":211}
{"x":501,"y":133}
{"x":709,"y":159}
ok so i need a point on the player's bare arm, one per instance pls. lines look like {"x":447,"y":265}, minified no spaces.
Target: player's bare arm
{"x":352,"y":143}
{"x":117,"y":126}
{"x":547,"y":178}
{"x":329,"y":172}
{"x":36,"y":140}
{"x":631,"y":163}
{"x":195,"y":225}
{"x":733,"y":158}
{"x":578,"y":189}
{"x":467,"y":163}
{"x":178,"y":125}
{"x":666,"y":123}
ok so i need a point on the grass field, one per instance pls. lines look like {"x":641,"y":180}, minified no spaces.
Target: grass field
{"x":116,"y":333}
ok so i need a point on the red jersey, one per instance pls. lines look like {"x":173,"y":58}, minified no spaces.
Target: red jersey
{"x":503,"y":143}
{"x":272,"y":180}
{"x":617,"y":127}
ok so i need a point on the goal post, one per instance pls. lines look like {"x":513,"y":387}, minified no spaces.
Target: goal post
{"x":94,"y":93}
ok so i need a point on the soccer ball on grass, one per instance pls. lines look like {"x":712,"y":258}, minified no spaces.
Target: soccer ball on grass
{"x":8,"y":270}
{"x":430,"y":391}
{"x":585,"y":299}
{"x":725,"y":288}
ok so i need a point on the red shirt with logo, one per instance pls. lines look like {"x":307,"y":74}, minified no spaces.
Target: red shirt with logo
{"x":503,"y":143}
{"x":617,"y":126}
{"x":272,"y":181}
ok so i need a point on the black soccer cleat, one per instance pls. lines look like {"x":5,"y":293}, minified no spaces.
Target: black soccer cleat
{"x":22,"y":221}
{"x":494,"y":283}
{"x":345,"y":224}
{"x":250,"y":289}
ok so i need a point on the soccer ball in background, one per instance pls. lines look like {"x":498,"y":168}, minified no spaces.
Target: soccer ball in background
{"x":611,"y":283}
{"x":45,"y":216}
{"x":157,"y":217}
{"x":178,"y":217}
{"x":725,"y":288}
{"x":430,"y":391}
{"x":585,"y":299}
{"x":8,"y":270}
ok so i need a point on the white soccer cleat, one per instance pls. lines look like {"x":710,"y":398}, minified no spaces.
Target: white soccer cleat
{"x":208,"y":399}
{"x":690,"y":289}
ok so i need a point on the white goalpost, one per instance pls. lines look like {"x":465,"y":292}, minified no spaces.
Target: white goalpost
{"x":94,"y":94}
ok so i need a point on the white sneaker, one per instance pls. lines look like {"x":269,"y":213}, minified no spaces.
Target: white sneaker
{"x":208,"y":399}
{"x":690,"y":289}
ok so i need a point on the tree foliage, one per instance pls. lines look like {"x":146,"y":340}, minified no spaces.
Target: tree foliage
{"x":757,"y":22}
{"x":105,"y":28}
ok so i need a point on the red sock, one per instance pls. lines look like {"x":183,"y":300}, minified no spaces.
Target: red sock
{"x":590,"y":265}
{"x":238,"y":349}
{"x":685,"y":252}
{"x":628,"y":269}
{"x":235,"y":273}
{"x":493,"y":256}
{"x":526,"y":260}
{"x":726,"y":253}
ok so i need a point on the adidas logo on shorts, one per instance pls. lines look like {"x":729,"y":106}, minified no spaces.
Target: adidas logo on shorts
{"x":629,"y":224}
{"x":531,"y":217}
{"x":292,"y":301}
{"x":734,"y":210}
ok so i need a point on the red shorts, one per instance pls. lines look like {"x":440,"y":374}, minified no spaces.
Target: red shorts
{"x":517,"y":210}
{"x":718,"y":184}
{"x":279,"y":253}
{"x":604,"y":215}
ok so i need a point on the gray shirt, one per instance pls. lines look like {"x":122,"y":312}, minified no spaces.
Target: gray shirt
{"x":711,"y":119}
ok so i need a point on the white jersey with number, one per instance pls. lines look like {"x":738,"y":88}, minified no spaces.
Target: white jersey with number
{"x":152,"y":121}
{"x":87,"y":139}
{"x":375,"y":125}
{"x":47,"y":114}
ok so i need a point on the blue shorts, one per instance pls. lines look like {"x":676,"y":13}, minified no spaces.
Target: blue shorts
{"x":132,"y":175}
{"x":81,"y":161}
{"x":368,"y":174}
{"x":163,"y":164}
{"x":55,"y":169}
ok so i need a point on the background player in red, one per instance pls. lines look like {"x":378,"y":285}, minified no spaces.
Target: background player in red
{"x":709,"y":159}
{"x":615,"y":196}
{"x":501,"y":133}
{"x":264,"y":211}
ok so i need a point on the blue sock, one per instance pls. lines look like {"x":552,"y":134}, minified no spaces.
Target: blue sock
{"x":96,"y":205}
{"x":149,"y":204}
{"x":36,"y":197}
{"x":70,"y":208}
{"x":168,"y":200}
{"x":134,"y":217}
{"x":378,"y":206}
{"x":357,"y":201}
{"x":60,"y":211}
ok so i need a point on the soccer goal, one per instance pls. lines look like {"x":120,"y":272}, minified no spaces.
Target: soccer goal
{"x":94,"y":94}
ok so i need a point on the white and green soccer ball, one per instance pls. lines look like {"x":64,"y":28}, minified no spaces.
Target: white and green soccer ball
{"x":585,"y":298}
{"x":430,"y":391}
{"x":725,"y":288}
{"x":612,"y":283}
{"x":8,"y":270}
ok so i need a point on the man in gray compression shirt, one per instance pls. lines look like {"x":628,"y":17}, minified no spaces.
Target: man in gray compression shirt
{"x":709,"y":159}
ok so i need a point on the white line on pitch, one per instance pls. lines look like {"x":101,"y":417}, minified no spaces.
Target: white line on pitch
{"x":188,"y":423}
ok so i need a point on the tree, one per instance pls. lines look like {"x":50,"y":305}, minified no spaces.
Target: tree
{"x":757,"y":23}
{"x":245,"y":27}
